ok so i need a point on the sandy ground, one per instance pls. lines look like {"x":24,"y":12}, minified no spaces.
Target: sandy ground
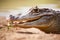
{"x":26,"y":34}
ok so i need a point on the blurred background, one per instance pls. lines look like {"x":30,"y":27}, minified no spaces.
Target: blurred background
{"x":20,"y":6}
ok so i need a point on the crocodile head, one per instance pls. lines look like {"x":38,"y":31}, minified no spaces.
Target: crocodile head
{"x":45,"y":19}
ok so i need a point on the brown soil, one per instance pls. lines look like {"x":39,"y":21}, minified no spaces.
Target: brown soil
{"x":16,"y":33}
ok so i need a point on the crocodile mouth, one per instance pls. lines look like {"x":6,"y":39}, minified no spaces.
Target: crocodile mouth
{"x":26,"y":20}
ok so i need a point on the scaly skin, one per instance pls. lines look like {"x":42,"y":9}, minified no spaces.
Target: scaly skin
{"x":47,"y":20}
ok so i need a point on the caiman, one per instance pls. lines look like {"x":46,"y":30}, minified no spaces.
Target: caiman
{"x":45,"y":19}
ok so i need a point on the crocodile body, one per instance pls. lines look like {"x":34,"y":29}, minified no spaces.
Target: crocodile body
{"x":45,"y":19}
